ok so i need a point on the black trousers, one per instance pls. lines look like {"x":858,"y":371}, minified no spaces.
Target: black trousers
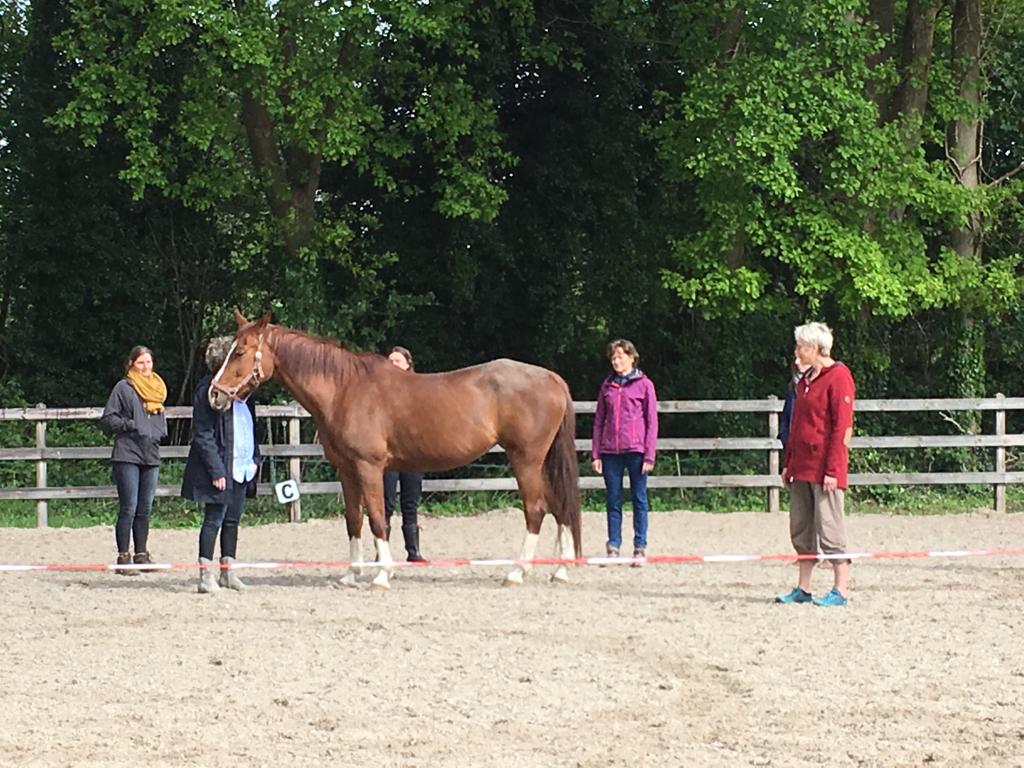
{"x":410,"y":485}
{"x":223,"y":519}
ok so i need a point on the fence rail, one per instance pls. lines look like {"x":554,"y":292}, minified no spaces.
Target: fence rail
{"x":295,"y":451}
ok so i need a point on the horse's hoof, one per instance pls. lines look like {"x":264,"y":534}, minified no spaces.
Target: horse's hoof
{"x":561,"y":576}
{"x":348,"y":580}
{"x":514,"y":579}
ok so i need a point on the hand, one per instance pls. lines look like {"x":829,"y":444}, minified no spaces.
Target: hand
{"x":829,"y":484}
{"x":596,"y":464}
{"x":220,"y":483}
{"x":647,"y":467}
{"x":785,"y":478}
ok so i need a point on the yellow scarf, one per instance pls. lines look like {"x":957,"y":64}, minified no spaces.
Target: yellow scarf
{"x":151,"y":389}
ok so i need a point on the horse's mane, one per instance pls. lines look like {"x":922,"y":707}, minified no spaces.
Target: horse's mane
{"x":308,"y":355}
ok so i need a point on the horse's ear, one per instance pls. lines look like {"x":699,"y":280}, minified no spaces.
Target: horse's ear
{"x":262,"y":322}
{"x":240,"y":319}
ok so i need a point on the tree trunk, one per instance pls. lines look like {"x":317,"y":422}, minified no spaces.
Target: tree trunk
{"x":915,"y":62}
{"x":963,"y":151}
{"x":291,"y":176}
{"x":963,"y":134}
{"x":730,"y":32}
{"x":882,"y":14}
{"x":965,"y":365}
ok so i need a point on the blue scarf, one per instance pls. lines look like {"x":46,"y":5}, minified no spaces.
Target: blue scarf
{"x":632,"y":373}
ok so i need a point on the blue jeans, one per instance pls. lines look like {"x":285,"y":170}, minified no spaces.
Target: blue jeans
{"x":223,"y":519}
{"x":136,"y":486}
{"x":613,"y":465}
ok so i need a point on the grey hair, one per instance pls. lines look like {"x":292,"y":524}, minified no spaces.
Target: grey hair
{"x":217,"y":351}
{"x":817,"y":334}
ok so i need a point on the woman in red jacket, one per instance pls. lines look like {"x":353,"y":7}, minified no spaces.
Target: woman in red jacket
{"x":815,"y":463}
{"x":625,"y":432}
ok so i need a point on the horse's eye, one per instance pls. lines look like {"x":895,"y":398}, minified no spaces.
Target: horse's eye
{"x":239,"y":352}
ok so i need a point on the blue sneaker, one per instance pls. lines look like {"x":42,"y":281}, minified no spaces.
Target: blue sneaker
{"x":796,"y":596}
{"x":833,"y":599}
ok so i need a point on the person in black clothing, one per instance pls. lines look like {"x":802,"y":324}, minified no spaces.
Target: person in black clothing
{"x":411,"y":484}
{"x":797,"y":372}
{"x":221,"y":471}
{"x":134,"y":415}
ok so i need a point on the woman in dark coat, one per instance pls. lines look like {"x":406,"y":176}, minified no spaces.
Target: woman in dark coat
{"x":411,"y":484}
{"x":134,"y":415}
{"x":222,"y":469}
{"x":797,"y":372}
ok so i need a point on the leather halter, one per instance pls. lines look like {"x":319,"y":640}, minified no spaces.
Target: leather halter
{"x":256,"y":375}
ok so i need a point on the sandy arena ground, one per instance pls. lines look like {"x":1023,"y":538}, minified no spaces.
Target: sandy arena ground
{"x":687,"y":665}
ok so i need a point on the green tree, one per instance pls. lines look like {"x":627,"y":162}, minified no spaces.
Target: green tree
{"x":573,"y":256}
{"x":13,"y":36}
{"x":220,"y":101}
{"x":816,"y":167}
{"x":89,"y":272}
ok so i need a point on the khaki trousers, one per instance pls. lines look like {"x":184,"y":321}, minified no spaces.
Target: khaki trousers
{"x":816,"y":519}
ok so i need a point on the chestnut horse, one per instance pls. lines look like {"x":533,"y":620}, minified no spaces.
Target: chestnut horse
{"x":371,"y":415}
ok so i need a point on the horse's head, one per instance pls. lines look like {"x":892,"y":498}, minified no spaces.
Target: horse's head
{"x":248,"y":364}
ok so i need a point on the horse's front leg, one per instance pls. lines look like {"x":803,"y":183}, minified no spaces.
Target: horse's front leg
{"x":353,"y":496}
{"x":371,"y":477}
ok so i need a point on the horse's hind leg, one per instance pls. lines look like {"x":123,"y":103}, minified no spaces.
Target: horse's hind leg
{"x":563,"y":543}
{"x":531,"y":488}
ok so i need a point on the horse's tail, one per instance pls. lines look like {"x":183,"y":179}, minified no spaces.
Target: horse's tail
{"x":562,"y":472}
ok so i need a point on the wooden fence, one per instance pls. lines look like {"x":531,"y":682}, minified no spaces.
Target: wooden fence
{"x":294,"y":451}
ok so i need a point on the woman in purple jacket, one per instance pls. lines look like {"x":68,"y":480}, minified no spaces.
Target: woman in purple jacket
{"x":625,"y":432}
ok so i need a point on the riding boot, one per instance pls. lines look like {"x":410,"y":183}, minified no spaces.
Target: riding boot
{"x":124,"y":558}
{"x":412,"y":543}
{"x":207,"y":577}
{"x":142,"y":558}
{"x":228,"y":578}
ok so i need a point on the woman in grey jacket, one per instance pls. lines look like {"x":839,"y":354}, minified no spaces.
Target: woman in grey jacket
{"x":134,"y":415}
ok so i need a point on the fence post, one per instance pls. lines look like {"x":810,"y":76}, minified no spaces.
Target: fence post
{"x":773,"y":457}
{"x":294,"y":469}
{"x":999,"y":489}
{"x":42,"y":506}
{"x":270,"y":442}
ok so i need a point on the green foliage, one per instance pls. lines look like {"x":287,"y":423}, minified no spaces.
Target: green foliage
{"x":798,"y":179}
{"x":350,"y":84}
{"x":302,"y":115}
{"x":506,"y":178}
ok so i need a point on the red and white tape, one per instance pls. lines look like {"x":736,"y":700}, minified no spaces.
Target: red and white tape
{"x":476,"y":562}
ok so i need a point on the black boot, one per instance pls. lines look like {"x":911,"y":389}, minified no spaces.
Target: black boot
{"x":412,"y":543}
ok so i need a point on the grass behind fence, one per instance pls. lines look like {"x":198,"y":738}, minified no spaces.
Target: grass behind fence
{"x":179,"y":513}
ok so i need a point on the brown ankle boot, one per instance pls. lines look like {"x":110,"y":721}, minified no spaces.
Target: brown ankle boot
{"x":124,"y":558}
{"x":142,"y":558}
